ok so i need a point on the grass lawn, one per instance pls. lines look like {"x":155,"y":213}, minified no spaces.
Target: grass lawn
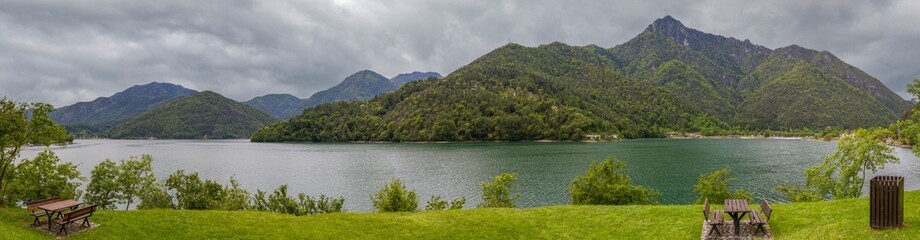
{"x":845,"y":219}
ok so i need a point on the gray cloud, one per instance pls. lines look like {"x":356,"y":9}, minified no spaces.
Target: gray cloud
{"x":69,"y":51}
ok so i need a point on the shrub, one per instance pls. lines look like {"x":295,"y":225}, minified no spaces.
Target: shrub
{"x":280,"y":202}
{"x":394,"y":197}
{"x":715,"y":187}
{"x":155,"y":196}
{"x":435,"y":203}
{"x":497,"y":193}
{"x":608,"y":183}
{"x":42,"y":177}
{"x":190,"y":192}
{"x":796,"y":193}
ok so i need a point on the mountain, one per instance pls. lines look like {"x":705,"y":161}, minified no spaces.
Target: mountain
{"x":553,"y":91}
{"x":125,"y":104}
{"x":738,"y":72}
{"x":361,"y":85}
{"x":404,"y":78}
{"x":280,"y":106}
{"x":666,"y":78}
{"x":202,"y":115}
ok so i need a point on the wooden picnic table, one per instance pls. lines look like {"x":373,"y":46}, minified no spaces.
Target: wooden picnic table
{"x":737,"y":208}
{"x":58,"y":207}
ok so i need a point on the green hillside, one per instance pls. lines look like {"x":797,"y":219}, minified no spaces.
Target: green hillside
{"x":840,"y":219}
{"x":203,"y":115}
{"x":280,"y":106}
{"x":553,"y":91}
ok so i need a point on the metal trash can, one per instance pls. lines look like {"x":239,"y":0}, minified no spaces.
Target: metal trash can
{"x":886,"y":202}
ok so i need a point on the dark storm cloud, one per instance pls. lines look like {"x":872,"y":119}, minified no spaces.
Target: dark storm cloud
{"x":68,"y":51}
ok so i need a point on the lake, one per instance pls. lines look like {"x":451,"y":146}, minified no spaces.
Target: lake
{"x":355,"y":171}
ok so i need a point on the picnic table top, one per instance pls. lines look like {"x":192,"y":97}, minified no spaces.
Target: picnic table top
{"x":57,"y":206}
{"x":736,"y":205}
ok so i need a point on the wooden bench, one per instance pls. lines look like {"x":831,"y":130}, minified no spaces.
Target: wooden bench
{"x":760,"y":220}
{"x":75,"y":215}
{"x":33,"y":205}
{"x":714,"y":218}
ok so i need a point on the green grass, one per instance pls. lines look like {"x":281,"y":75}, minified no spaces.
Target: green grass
{"x":844,"y":219}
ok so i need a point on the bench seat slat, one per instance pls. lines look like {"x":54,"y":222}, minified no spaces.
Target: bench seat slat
{"x":72,"y":219}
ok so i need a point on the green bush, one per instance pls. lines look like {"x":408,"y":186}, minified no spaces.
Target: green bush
{"x":497,"y":193}
{"x":436,"y":203}
{"x":797,"y":193}
{"x":190,"y":192}
{"x":42,"y":177}
{"x":395,"y":197}
{"x":280,"y":202}
{"x":715,"y":187}
{"x":608,"y":183}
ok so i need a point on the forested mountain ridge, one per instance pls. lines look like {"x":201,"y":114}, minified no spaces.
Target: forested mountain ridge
{"x":553,"y":91}
{"x":732,"y":61}
{"x":122,"y":105}
{"x":404,"y":78}
{"x":656,"y":82}
{"x":202,"y":115}
{"x":280,"y":106}
{"x":361,"y":85}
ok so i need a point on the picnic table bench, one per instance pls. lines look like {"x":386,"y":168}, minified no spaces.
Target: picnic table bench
{"x":714,"y":218}
{"x":76,"y":215}
{"x":761,"y":220}
{"x":58,"y":207}
{"x":33,"y":205}
{"x":737,"y":208}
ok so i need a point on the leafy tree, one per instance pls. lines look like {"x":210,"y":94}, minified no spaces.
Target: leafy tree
{"x":23,"y":124}
{"x":436,"y":203}
{"x":395,"y":197}
{"x":121,"y":183}
{"x":134,"y":175}
{"x":843,"y":173}
{"x":608,"y":183}
{"x":42,"y":177}
{"x":103,"y":188}
{"x":498,"y":192}
{"x":913,"y":89}
{"x":190,"y":192}
{"x":715,"y":187}
{"x":155,"y":197}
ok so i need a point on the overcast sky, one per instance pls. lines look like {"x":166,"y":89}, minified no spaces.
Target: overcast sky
{"x":67,"y":51}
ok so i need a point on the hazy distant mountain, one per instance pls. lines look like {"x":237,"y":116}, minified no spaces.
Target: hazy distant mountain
{"x":281,"y":106}
{"x":122,"y":105}
{"x":666,"y":78}
{"x":362,"y":85}
{"x":203,"y":115}
{"x":404,"y":78}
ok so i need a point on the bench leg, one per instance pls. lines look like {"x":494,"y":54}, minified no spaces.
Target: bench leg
{"x":35,"y":222}
{"x":714,"y":229}
{"x":86,"y":221}
{"x":63,"y":229}
{"x":760,"y":229}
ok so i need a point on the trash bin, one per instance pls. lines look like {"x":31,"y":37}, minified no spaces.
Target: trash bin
{"x":886,"y":202}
